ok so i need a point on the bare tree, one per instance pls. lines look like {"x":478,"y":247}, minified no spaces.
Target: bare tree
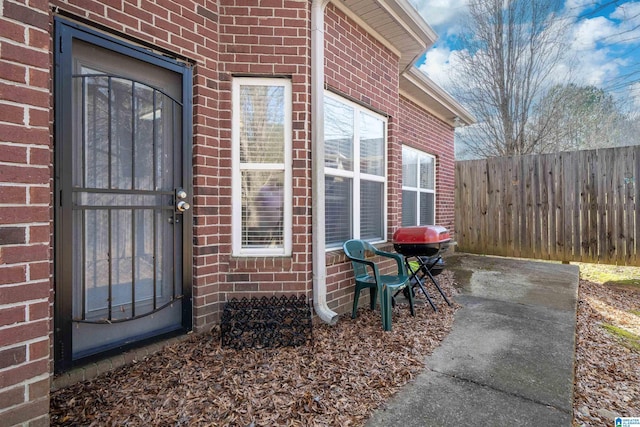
{"x":512,"y":49}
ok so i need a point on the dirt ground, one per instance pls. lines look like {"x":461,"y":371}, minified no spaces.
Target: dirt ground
{"x":345,"y":373}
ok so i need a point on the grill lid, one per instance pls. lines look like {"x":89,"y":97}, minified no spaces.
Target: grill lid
{"x":421,"y":234}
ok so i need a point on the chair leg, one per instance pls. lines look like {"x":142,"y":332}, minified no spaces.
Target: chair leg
{"x":411,"y":307}
{"x":385,"y":308}
{"x":373,"y":294}
{"x":356,"y":297}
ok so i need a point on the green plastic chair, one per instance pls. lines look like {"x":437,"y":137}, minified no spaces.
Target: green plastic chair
{"x":368,"y":276}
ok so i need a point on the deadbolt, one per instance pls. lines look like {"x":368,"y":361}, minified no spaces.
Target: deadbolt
{"x":181,"y":194}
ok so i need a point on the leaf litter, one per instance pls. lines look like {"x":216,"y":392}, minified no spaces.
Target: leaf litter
{"x":339,"y":379}
{"x":348,"y":371}
{"x":607,"y":372}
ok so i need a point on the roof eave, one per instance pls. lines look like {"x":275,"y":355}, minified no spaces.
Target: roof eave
{"x":395,"y":23}
{"x":419,"y":88}
{"x":399,"y":26}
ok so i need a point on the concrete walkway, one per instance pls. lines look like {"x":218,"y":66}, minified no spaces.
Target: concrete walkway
{"x":509,"y":357}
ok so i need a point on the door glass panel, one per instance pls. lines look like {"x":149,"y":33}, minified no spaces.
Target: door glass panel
{"x":126,"y":152}
{"x":96,"y":266}
{"x":145,"y":114}
{"x":143,"y":261}
{"x":94,"y":161}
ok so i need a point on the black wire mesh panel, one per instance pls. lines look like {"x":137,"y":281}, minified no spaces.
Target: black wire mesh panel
{"x":266,"y":322}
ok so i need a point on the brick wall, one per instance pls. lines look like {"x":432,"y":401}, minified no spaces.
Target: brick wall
{"x":424,"y":132}
{"x":25,"y":213}
{"x":221,"y":39}
{"x":360,"y":67}
{"x":266,"y":38}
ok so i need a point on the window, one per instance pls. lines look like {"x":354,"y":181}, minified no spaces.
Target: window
{"x":355,"y":172}
{"x":418,"y":188}
{"x":261,"y":166}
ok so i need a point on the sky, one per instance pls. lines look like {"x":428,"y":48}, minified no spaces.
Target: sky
{"x":603,"y":39}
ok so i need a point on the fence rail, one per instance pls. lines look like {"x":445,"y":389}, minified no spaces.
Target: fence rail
{"x":570,"y":206}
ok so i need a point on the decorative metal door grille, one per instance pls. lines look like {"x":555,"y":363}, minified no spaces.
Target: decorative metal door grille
{"x":123,"y":201}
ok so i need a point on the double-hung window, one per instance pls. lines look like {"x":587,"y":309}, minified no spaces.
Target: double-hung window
{"x":261,"y":186}
{"x":355,"y":172}
{"x":418,"y":188}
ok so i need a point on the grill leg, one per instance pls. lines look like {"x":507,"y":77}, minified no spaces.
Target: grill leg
{"x":433,"y":279}
{"x":414,"y":274}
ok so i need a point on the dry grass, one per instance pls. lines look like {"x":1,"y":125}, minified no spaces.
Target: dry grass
{"x":338,"y":380}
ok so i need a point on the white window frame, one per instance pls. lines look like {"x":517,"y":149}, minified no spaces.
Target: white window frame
{"x":417,"y":189}
{"x":238,"y":167}
{"x":358,"y":176}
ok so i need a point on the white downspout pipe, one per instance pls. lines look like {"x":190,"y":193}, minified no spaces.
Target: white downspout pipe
{"x":317,"y":165}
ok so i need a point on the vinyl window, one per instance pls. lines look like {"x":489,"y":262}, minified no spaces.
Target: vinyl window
{"x":355,"y":172}
{"x":418,"y":187}
{"x":261,"y":186}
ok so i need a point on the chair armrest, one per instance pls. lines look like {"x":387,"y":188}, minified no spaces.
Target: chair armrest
{"x":371,"y":264}
{"x":398,"y":257}
{"x":362,"y":261}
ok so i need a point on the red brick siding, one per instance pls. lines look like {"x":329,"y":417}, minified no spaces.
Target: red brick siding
{"x":222,"y":39}
{"x":266,"y":39}
{"x":424,"y":132}
{"x":25,"y":215}
{"x":361,"y":68}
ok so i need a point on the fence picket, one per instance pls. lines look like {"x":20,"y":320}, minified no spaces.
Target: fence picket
{"x":570,"y":206}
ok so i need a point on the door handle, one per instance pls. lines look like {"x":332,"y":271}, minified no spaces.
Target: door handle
{"x":183,"y":206}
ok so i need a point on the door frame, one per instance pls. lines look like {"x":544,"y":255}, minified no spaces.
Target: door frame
{"x":65,"y":32}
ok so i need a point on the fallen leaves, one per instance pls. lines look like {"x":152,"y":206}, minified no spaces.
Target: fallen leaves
{"x":339,"y":379}
{"x":347,"y":372}
{"x":607,"y":377}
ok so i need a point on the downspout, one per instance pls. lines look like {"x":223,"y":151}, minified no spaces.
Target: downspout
{"x":317,"y":165}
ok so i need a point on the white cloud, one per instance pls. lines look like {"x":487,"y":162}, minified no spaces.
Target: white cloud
{"x":600,"y":48}
{"x":629,"y":29}
{"x":438,"y":65}
{"x":589,"y":32}
{"x":444,"y":14}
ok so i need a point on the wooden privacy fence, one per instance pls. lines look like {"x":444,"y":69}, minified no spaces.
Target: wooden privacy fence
{"x":570,"y":206}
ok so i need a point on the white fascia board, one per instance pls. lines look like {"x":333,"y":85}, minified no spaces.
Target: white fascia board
{"x":419,"y":88}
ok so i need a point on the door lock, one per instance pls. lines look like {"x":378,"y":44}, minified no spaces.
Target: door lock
{"x":181,"y":204}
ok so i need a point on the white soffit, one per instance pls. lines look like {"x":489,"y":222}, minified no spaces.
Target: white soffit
{"x":399,"y":26}
{"x":395,"y":23}
{"x":419,"y":88}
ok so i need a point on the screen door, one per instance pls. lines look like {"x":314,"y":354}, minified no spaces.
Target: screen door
{"x":124,"y":218}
